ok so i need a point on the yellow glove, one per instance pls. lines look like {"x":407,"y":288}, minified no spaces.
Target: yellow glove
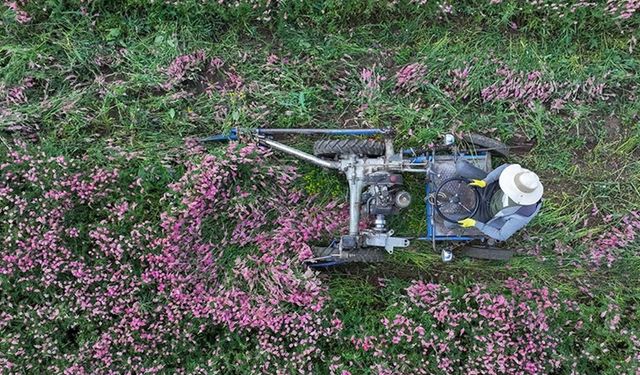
{"x":478,"y":183}
{"x":467,"y":223}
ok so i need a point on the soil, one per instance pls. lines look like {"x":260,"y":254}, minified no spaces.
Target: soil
{"x":520,"y":144}
{"x":613,"y":127}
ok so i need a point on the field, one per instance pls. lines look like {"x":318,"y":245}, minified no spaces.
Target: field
{"x":127,"y":246}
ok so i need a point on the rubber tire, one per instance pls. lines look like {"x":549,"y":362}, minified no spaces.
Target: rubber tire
{"x":486,"y":252}
{"x":482,"y":141}
{"x":330,"y":148}
{"x":322,"y":251}
{"x":366,"y":255}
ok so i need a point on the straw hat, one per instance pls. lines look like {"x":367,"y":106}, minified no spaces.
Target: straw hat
{"x":521,"y":185}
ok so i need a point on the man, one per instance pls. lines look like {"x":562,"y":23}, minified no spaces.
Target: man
{"x":512,"y":198}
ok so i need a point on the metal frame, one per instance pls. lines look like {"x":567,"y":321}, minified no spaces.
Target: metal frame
{"x":355,"y":170}
{"x":430,"y":211}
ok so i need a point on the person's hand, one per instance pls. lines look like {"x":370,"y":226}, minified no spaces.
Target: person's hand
{"x":467,"y":223}
{"x":478,"y":183}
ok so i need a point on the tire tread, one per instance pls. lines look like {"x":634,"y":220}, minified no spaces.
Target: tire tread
{"x":336,"y":147}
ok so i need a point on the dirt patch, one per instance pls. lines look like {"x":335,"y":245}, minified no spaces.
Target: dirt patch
{"x":613,"y":127}
{"x":520,"y":144}
{"x":597,"y":127}
{"x":557,"y":187}
{"x":608,"y":127}
{"x":195,"y":87}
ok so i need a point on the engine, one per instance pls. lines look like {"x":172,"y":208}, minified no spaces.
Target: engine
{"x":384,"y":196}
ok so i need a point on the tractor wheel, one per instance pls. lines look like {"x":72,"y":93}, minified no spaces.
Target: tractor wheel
{"x":330,"y":148}
{"x":366,"y":255}
{"x":319,"y":252}
{"x":486,"y":252}
{"x":487,"y":143}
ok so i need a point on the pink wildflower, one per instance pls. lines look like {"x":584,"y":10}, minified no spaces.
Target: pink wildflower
{"x":20,"y":15}
{"x":410,"y":77}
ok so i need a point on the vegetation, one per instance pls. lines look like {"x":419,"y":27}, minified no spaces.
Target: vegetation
{"x":128,"y":246}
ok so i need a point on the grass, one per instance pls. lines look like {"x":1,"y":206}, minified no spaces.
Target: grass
{"x":97,"y":84}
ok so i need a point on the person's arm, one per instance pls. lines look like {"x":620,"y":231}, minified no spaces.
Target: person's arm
{"x":494,"y":175}
{"x":512,"y":225}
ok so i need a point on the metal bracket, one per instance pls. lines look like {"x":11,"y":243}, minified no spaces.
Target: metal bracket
{"x":447,"y":255}
{"x":385,"y":240}
{"x":231,"y":136}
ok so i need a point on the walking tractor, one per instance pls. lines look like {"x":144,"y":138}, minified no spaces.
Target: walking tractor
{"x":374,"y":172}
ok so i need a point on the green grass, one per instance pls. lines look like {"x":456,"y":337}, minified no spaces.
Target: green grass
{"x":78,"y":107}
